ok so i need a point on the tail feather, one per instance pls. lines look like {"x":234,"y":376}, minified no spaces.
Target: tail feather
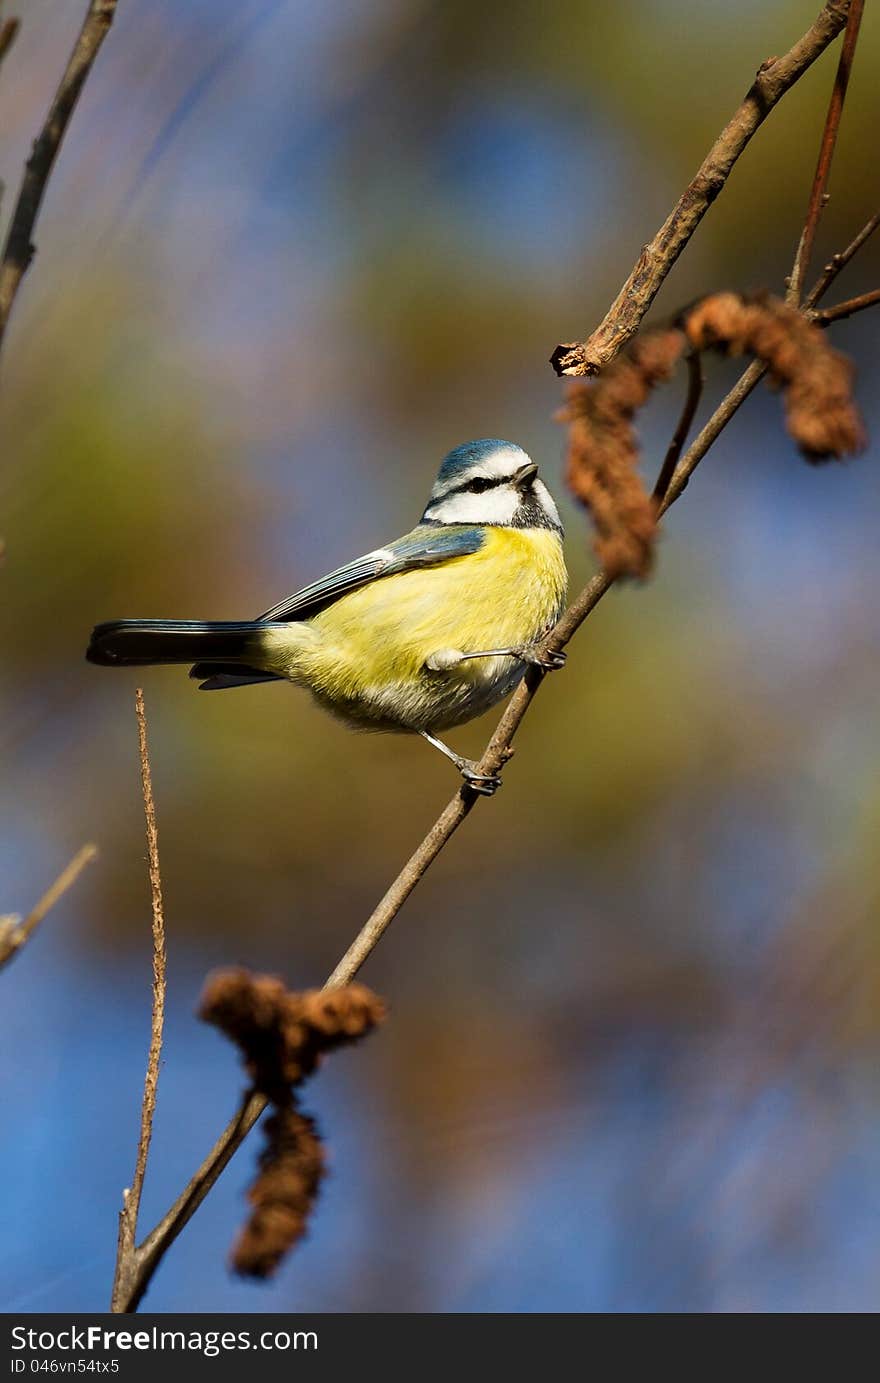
{"x":140,"y":642}
{"x":222,"y":676}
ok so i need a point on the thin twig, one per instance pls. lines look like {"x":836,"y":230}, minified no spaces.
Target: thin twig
{"x":840,"y":261}
{"x":696,"y":380}
{"x":496,"y":754}
{"x":14,"y":934}
{"x":748,"y":380}
{"x":846,"y":309}
{"x":126,"y":1253}
{"x":775,"y":77}
{"x":160,"y":1239}
{"x":19,"y":249}
{"x":818,"y":191}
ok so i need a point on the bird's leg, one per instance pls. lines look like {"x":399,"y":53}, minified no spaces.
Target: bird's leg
{"x":547,"y":660}
{"x":483,"y":783}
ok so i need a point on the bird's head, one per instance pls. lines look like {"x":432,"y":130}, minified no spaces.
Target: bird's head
{"x":491,"y":482}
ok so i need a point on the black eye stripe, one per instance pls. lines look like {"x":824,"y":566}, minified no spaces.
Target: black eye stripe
{"x":478,"y":484}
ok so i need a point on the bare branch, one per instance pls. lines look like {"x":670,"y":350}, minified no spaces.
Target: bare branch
{"x":19,"y":249}
{"x":696,"y":381}
{"x":148,"y":1256}
{"x":748,"y":380}
{"x":14,"y":934}
{"x":846,"y":309}
{"x":818,"y":191}
{"x":775,"y":77}
{"x":840,"y":261}
{"x":126,"y":1253}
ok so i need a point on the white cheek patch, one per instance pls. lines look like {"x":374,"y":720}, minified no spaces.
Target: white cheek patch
{"x":491,"y":507}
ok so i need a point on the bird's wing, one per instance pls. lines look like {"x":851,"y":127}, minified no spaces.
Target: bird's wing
{"x":426,"y":546}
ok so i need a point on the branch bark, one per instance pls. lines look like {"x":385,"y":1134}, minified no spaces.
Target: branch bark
{"x":818,"y":191}
{"x":14,"y":934}
{"x":846,"y":309}
{"x":679,"y":437}
{"x":775,"y":77}
{"x":125,"y":1278}
{"x":839,"y":261}
{"x":19,"y":249}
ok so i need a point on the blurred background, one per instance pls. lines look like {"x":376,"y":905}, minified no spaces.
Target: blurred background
{"x":292,"y":254}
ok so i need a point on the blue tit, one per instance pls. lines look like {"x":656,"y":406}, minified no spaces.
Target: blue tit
{"x":418,"y":636}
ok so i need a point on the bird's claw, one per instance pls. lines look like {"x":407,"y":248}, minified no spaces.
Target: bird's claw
{"x":486,"y":784}
{"x":548,"y":659}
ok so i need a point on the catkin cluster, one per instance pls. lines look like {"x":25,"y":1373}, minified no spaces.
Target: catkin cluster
{"x":815,"y":380}
{"x":282,"y":1037}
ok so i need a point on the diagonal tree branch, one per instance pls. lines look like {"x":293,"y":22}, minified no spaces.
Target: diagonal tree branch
{"x":14,"y":934}
{"x":19,"y":249}
{"x":696,"y":381}
{"x":818,"y":191}
{"x":775,"y":77}
{"x":846,"y":309}
{"x":840,"y":261}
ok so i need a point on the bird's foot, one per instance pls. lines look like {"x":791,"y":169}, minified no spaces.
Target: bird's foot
{"x":486,"y":784}
{"x":483,"y":783}
{"x":547,"y":659}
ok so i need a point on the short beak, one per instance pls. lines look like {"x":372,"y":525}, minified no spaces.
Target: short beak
{"x":523,"y":478}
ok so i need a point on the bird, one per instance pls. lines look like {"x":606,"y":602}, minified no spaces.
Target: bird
{"x":418,"y":636}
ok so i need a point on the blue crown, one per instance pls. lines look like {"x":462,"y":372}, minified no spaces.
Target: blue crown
{"x":469,"y":454}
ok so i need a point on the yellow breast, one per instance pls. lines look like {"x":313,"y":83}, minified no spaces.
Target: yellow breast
{"x":365,"y":655}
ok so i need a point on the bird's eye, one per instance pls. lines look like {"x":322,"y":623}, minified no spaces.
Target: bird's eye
{"x":479,"y":484}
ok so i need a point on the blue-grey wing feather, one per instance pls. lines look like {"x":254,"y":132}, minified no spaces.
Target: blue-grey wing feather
{"x":425,"y":546}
